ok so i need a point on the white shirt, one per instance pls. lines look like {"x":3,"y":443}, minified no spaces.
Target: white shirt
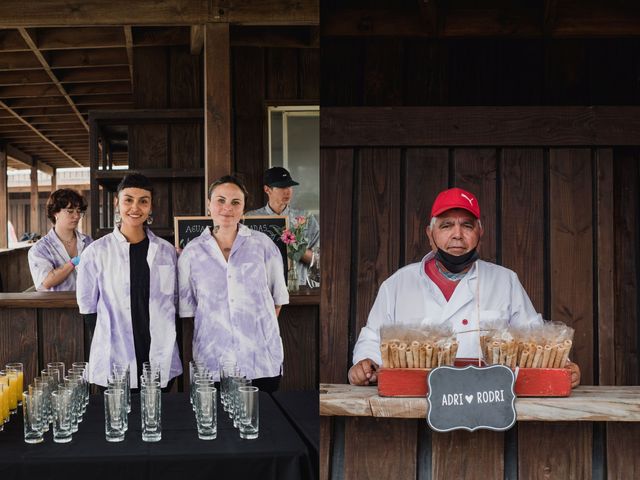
{"x":409,"y":296}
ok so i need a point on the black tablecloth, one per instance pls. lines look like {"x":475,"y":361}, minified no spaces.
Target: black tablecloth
{"x":278,"y":453}
{"x":303,"y":410}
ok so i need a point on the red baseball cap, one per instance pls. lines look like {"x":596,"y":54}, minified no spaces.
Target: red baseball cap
{"x":455,"y":198}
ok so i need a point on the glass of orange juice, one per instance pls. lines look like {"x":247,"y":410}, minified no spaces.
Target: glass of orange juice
{"x":18,"y":367}
{"x":13,"y":390}
{"x":4,"y":400}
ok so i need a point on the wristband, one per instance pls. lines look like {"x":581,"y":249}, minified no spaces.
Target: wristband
{"x":75,"y":261}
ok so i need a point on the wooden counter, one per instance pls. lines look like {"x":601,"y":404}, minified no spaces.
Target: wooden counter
{"x":40,"y":327}
{"x":586,"y":404}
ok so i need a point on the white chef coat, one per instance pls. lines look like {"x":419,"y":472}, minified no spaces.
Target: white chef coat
{"x":409,"y":296}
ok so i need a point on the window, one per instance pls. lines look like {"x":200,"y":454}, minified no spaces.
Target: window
{"x":294,"y":143}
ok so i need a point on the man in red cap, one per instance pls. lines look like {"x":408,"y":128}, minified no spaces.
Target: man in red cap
{"x":447,"y":287}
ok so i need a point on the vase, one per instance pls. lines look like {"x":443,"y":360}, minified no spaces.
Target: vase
{"x":292,"y":278}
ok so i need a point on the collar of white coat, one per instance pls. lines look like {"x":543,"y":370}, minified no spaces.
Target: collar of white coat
{"x":121,"y":238}
{"x":472,"y":273}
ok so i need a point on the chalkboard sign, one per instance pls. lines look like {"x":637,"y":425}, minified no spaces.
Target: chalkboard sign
{"x":268,"y":224}
{"x":187,"y":228}
{"x":471,"y":398}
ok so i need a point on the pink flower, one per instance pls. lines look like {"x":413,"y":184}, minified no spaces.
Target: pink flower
{"x":288,"y":238}
{"x":301,"y":219}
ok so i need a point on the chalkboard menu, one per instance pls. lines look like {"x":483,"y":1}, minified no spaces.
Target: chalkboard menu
{"x":268,"y":224}
{"x":188,"y":228}
{"x":471,"y":398}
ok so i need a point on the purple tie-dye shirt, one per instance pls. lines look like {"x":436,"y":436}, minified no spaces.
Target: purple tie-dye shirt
{"x":49,"y":253}
{"x":234,"y":302}
{"x":104,"y":287}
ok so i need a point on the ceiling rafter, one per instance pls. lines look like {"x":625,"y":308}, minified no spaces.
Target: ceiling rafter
{"x":39,"y":133}
{"x":26,"y":36}
{"x":128,"y":40}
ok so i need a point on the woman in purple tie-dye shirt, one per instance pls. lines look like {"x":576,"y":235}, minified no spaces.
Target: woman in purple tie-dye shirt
{"x":231,"y":280}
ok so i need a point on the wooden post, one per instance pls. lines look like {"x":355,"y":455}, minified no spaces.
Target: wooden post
{"x":4,"y":198}
{"x":34,"y":225}
{"x":217,"y":102}
{"x":54,"y":180}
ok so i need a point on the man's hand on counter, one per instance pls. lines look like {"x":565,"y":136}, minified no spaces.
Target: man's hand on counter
{"x":575,"y":373}
{"x":363,"y":372}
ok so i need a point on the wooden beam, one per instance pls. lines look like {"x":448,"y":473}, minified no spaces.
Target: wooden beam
{"x":88,"y":58}
{"x":104,"y":88}
{"x":79,"y":37}
{"x":11,"y":41}
{"x":196,"y":41}
{"x":104,"y":99}
{"x":40,"y":134}
{"x":479,"y":126}
{"x":18,"y":155}
{"x":66,"y":13}
{"x":281,"y":37}
{"x":4,"y":198}
{"x":128,"y":36}
{"x":34,"y":220}
{"x":23,"y":77}
{"x":29,"y":40}
{"x":161,"y":36}
{"x":217,"y":102}
{"x":18,"y":61}
{"x":92,"y":75}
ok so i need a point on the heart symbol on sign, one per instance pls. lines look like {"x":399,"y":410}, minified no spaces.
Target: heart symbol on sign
{"x":469,"y":398}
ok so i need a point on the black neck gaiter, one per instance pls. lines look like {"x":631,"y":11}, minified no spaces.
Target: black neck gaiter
{"x":456,"y":263}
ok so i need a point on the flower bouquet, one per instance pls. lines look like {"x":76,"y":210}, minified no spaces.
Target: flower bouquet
{"x":296,"y":242}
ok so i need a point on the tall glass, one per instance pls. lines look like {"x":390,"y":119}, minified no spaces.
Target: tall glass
{"x":32,"y":412}
{"x":122,"y":370}
{"x":119,"y":383}
{"x":234,"y":401}
{"x":206,"y":413}
{"x":248,"y":412}
{"x":228,"y":369}
{"x":62,"y":406}
{"x":43,"y":385}
{"x":4,"y":406}
{"x":19,"y":368}
{"x":150,"y":410}
{"x":14,"y":380}
{"x":84,"y":390}
{"x":59,"y":366}
{"x":75,"y":382}
{"x":114,"y":413}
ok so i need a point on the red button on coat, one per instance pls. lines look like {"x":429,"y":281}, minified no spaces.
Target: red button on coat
{"x":465,"y":321}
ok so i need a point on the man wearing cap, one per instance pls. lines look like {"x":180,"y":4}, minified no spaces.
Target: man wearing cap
{"x":278,"y":185}
{"x":447,"y":286}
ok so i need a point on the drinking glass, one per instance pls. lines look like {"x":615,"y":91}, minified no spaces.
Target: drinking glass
{"x":122,"y":370}
{"x":150,"y":410}
{"x":80,"y":371}
{"x":59,"y":366}
{"x":32,"y":412}
{"x":114,"y":414}
{"x":119,"y":383}
{"x":62,"y":401}
{"x":228,"y":369}
{"x":17,"y":367}
{"x":247,"y":414}
{"x":4,"y":405}
{"x":234,"y":401}
{"x":206,"y":413}
{"x":14,"y":380}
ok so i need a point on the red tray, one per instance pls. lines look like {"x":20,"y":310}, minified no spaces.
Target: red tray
{"x":531,"y":382}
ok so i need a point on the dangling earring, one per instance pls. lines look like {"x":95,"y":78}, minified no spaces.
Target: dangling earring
{"x":150,"y":218}
{"x":117,"y":219}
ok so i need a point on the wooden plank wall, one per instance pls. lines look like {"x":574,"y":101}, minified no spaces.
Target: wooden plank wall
{"x":168,"y":77}
{"x":260,"y":77}
{"x":15,"y":275}
{"x":35,"y":336}
{"x":375,"y":71}
{"x":560,"y":217}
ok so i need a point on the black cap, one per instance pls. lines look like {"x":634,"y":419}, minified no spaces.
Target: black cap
{"x":278,"y":177}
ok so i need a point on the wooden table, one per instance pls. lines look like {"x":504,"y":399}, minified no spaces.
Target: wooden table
{"x":586,"y":403}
